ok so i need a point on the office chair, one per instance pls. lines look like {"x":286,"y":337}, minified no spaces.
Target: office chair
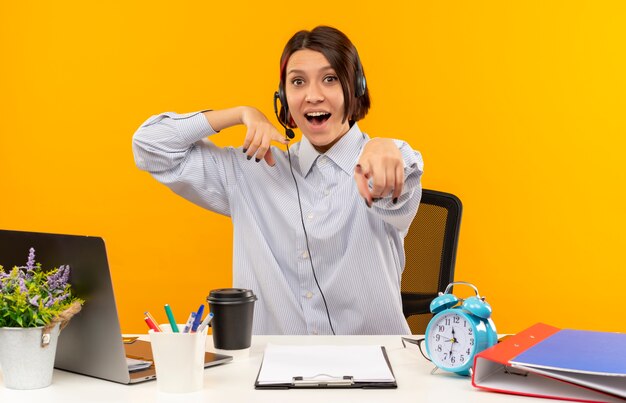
{"x":430,"y":249}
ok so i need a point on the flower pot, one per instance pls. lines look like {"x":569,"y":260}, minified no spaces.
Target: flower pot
{"x":27,"y":356}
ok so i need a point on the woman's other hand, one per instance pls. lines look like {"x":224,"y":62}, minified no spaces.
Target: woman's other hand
{"x":381,"y":163}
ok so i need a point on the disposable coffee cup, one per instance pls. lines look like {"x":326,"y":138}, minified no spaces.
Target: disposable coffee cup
{"x":178,"y":359}
{"x":233,"y":310}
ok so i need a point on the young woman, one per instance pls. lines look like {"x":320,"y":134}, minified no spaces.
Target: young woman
{"x":318,"y":230}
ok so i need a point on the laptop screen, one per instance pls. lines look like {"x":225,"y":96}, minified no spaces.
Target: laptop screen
{"x":91,"y":344}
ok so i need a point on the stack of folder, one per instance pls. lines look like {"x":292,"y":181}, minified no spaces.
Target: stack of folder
{"x":545,"y":361}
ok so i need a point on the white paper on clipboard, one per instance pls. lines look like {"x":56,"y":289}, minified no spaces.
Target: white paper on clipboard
{"x":282,"y":363}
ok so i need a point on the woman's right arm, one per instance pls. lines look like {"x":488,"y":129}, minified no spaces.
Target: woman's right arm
{"x":260,"y":131}
{"x":173,"y":148}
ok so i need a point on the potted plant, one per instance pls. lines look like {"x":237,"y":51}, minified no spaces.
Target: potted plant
{"x":35,"y":305}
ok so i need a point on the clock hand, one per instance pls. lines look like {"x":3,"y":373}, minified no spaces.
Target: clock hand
{"x":453,"y":339}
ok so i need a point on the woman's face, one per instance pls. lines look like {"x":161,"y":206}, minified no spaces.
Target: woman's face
{"x":315,"y":98}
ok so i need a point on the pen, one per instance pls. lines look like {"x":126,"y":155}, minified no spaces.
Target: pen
{"x":190,"y":321}
{"x":205,"y":322}
{"x":196,"y":322}
{"x":154,"y":321}
{"x":151,"y":324}
{"x":170,"y":317}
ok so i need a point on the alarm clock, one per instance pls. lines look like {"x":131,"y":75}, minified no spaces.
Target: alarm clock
{"x":459,"y":330}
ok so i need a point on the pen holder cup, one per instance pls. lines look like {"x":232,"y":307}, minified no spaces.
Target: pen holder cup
{"x":233,"y":312}
{"x":178,"y":359}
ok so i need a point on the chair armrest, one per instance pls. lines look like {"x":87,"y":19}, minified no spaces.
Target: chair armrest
{"x":416,"y":303}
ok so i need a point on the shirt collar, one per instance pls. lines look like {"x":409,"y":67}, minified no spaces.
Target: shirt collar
{"x":344,"y":153}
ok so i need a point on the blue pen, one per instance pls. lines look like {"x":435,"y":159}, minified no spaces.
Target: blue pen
{"x":190,"y":321}
{"x":196,"y":322}
{"x":205,"y":322}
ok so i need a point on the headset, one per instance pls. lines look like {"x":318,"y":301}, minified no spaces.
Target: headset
{"x":360,"y":85}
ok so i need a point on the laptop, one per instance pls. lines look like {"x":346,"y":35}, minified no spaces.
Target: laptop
{"x":92,"y":342}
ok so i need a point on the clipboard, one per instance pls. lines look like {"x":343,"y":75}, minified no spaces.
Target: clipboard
{"x":325,"y":367}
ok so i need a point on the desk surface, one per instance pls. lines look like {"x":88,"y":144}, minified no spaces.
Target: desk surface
{"x":234,"y":382}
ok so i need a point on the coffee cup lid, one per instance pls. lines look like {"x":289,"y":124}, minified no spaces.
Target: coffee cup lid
{"x":226,"y":296}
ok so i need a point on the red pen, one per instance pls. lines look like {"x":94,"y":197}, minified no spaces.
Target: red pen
{"x":154,"y":321}
{"x":151,"y":324}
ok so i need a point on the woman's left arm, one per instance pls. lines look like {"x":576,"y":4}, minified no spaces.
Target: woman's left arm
{"x":388,"y":177}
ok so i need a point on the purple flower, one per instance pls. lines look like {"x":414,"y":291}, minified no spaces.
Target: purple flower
{"x":30,"y":265}
{"x":34,"y":301}
{"x":58,"y":280}
{"x":53,"y":301}
{"x":23,"y":288}
{"x":66,"y":274}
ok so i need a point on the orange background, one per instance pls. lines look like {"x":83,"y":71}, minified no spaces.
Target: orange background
{"x":517,"y":107}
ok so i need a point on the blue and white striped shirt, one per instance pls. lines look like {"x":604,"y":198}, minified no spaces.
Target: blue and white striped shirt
{"x":357,"y":252}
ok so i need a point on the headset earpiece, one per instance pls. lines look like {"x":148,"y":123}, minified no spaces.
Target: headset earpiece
{"x":276,"y":96}
{"x":282,"y":97}
{"x":284,"y":111}
{"x":360,"y":84}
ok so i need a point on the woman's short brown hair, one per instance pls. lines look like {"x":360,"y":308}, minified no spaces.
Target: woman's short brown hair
{"x":343,"y":58}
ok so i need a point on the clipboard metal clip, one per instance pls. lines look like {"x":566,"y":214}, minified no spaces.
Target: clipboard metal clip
{"x":322,"y":381}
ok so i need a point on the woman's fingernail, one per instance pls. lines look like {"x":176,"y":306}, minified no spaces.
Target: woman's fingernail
{"x":249,"y":157}
{"x":395,"y":200}
{"x":244,"y":150}
{"x":257,"y":159}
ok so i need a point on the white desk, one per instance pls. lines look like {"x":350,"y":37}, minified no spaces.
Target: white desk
{"x":234,"y":382}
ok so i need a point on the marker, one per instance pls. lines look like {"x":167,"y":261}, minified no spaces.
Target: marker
{"x":196,"y":322}
{"x":170,"y":317}
{"x":151,"y":324}
{"x":205,"y":322}
{"x":190,"y":321}
{"x":154,"y":321}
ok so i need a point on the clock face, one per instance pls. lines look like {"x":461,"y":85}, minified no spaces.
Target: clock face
{"x":451,"y":340}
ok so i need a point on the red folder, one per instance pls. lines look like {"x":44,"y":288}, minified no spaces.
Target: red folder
{"x":545,"y":361}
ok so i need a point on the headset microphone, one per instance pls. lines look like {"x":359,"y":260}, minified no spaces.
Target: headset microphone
{"x":288,"y":132}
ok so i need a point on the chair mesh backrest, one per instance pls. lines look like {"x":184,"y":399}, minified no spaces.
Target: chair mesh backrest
{"x":423,"y":247}
{"x":430,"y":249}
